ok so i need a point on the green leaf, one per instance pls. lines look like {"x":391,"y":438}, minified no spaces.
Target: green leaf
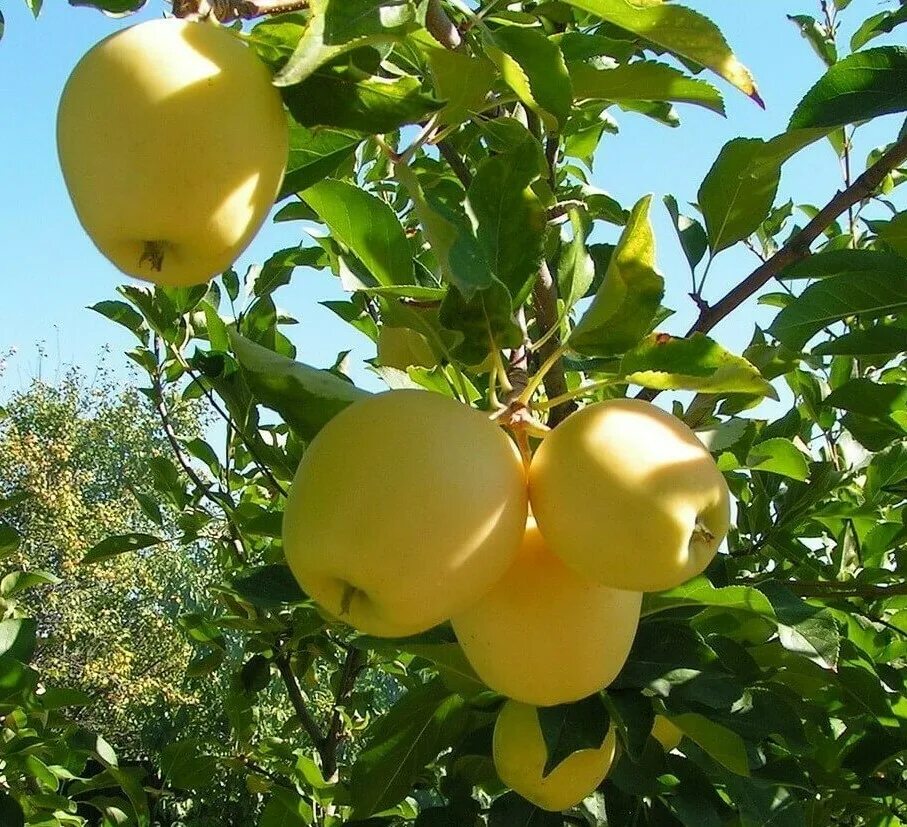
{"x":667,"y":363}
{"x":737,"y":194}
{"x":858,"y":88}
{"x":450,"y":234}
{"x":18,"y":638}
{"x":123,"y":314}
{"x":365,"y":224}
{"x":804,"y":629}
{"x":184,"y":765}
{"x":880,"y":339}
{"x":863,"y":396}
{"x":306,"y":398}
{"x":725,"y":746}
{"x":339,"y":26}
{"x":286,"y":808}
{"x":894,"y":233}
{"x":340,"y":97}
{"x":202,"y":630}
{"x":834,"y":298}
{"x":879,"y":24}
{"x":575,"y":267}
{"x":532,"y":65}
{"x":569,"y":728}
{"x":425,"y":721}
{"x":853,"y":263}
{"x":818,"y":36}
{"x":10,"y":539}
{"x":510,"y":218}
{"x":690,"y":232}
{"x":114,"y":8}
{"x":119,"y":544}
{"x":700,"y":592}
{"x":887,"y":469}
{"x":643,"y":81}
{"x":17,"y":582}
{"x":632,"y":715}
{"x":269,"y":586}
{"x":485,"y":321}
{"x":779,"y":456}
{"x":461,"y":81}
{"x":315,"y":154}
{"x":630,"y":294}
{"x":679,"y":30}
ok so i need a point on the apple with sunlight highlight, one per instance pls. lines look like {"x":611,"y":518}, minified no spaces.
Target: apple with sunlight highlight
{"x":173,"y":144}
{"x":545,"y":635}
{"x":406,"y":508}
{"x":627,"y":495}
{"x":520,"y":755}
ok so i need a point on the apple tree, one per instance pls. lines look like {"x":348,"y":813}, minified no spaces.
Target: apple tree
{"x":441,"y":166}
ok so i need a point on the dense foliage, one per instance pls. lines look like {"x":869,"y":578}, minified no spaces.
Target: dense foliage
{"x":445,"y":152}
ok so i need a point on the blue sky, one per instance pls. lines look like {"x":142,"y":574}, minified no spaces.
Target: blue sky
{"x":50,"y":272}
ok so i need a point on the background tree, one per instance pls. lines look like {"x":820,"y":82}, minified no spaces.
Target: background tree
{"x":445,"y":150}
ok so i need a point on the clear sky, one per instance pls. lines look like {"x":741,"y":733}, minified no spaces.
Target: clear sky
{"x":50,"y":272}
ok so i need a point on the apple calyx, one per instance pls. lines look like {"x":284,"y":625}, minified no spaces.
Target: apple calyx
{"x":153,"y":253}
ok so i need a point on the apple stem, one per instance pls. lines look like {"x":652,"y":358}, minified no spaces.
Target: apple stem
{"x":153,"y":253}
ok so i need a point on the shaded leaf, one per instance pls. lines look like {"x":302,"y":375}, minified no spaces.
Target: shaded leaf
{"x":269,"y":587}
{"x":307,"y":398}
{"x":569,"y":728}
{"x":834,"y":298}
{"x":315,"y":154}
{"x":721,"y":743}
{"x":119,"y":544}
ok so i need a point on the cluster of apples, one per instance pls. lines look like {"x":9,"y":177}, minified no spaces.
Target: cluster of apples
{"x":173,"y":144}
{"x":410,"y":509}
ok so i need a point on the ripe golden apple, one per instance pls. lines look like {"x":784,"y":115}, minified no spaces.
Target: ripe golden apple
{"x":406,"y":508}
{"x":173,"y":144}
{"x":628,"y":496}
{"x":545,"y":635}
{"x":400,"y":347}
{"x":667,"y":733}
{"x":520,"y":755}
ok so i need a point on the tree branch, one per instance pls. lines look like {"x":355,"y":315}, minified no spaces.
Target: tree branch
{"x":798,"y":247}
{"x":352,"y":666}
{"x":457,"y":164}
{"x":544,"y":298}
{"x":302,"y":711}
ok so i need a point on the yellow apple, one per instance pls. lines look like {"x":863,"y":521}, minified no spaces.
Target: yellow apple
{"x":545,"y":635}
{"x":520,"y":754}
{"x":173,"y":144}
{"x":628,"y":496}
{"x":667,"y":734}
{"x":406,"y":508}
{"x":400,"y":347}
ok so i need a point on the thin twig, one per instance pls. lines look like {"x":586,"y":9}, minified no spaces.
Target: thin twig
{"x":302,"y":711}
{"x":456,"y":163}
{"x":353,"y":664}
